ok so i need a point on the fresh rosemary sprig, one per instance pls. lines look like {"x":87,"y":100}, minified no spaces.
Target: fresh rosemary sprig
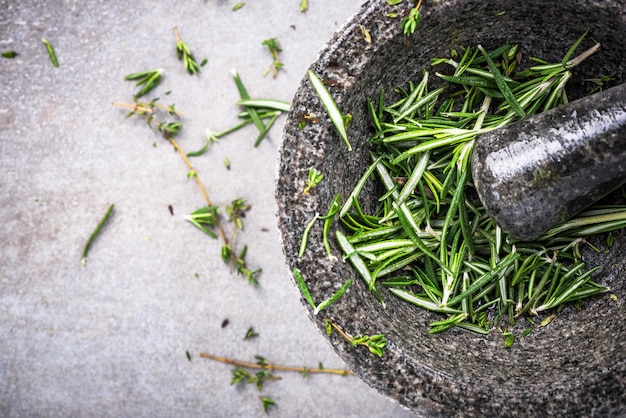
{"x":430,"y":242}
{"x":409,"y":23}
{"x":256,"y":112}
{"x":185,"y":55}
{"x":148,"y":79}
{"x":376,"y":344}
{"x":274,"y":48}
{"x":260,"y":372}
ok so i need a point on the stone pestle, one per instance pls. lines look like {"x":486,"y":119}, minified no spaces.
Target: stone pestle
{"x":548,"y":167}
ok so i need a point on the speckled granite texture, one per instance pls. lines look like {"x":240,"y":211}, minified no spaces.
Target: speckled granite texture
{"x":576,"y":366}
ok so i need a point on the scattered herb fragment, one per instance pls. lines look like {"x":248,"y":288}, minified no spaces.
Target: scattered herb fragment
{"x":205,"y":219}
{"x":51,"y":53}
{"x":148,"y":79}
{"x":9,"y":54}
{"x":305,"y":235}
{"x":365,"y":34}
{"x":250,"y":333}
{"x":314,"y":177}
{"x":185,"y":55}
{"x":376,"y":344}
{"x":256,"y":110}
{"x":263,"y":364}
{"x":509,"y":338}
{"x":236,"y":211}
{"x":95,"y":233}
{"x":188,"y":355}
{"x":307,"y":295}
{"x":409,"y":24}
{"x":304,"y":5}
{"x":331,"y":107}
{"x":274,"y":48}
{"x":238,"y":6}
{"x":266,"y":403}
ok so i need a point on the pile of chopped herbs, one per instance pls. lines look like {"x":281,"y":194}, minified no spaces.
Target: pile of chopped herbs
{"x":431,"y":242}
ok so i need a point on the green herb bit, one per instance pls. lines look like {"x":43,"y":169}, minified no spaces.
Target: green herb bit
{"x":236,"y":211}
{"x":502,"y":85}
{"x":170,"y":128}
{"x":303,"y":287}
{"x":9,"y":54}
{"x":409,"y":23}
{"x":266,"y":403}
{"x":205,"y":219}
{"x":274,"y":48}
{"x":314,"y":177}
{"x":250,"y":333}
{"x":253,"y":112}
{"x":333,"y":298}
{"x":95,"y":233}
{"x":305,"y":235}
{"x":51,"y":53}
{"x":331,"y":107}
{"x":184,"y":54}
{"x":238,"y":6}
{"x":148,"y":79}
{"x":376,"y":344}
{"x":304,"y":5}
{"x":307,"y":295}
{"x":239,"y":262}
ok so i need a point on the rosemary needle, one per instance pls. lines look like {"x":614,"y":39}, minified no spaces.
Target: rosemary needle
{"x":95,"y":233}
{"x":53,"y":55}
{"x":331,"y":107}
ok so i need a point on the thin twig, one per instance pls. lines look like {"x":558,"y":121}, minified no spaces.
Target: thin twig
{"x":138,"y":108}
{"x":269,"y":366}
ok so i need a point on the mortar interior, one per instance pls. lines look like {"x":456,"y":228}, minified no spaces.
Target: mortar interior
{"x":577,"y":364}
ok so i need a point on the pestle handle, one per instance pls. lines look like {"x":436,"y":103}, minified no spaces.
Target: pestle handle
{"x":548,"y":167}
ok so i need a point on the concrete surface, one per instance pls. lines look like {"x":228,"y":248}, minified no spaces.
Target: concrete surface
{"x":110,"y":338}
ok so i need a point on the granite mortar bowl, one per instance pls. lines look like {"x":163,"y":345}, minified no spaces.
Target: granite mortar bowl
{"x":576,"y":366}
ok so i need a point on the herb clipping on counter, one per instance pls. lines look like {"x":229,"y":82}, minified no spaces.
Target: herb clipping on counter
{"x":274,"y":49}
{"x":260,"y":372}
{"x":431,"y":243}
{"x":51,"y":53}
{"x":95,"y":233}
{"x":185,"y":55}
{"x":259,"y":112}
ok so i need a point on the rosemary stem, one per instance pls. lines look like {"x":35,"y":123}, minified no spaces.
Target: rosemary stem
{"x":270,"y":366}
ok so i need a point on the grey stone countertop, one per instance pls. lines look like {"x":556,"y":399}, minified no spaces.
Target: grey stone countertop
{"x":111,"y":338}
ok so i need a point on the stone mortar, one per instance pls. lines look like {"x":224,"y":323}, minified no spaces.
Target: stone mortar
{"x":576,"y":366}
